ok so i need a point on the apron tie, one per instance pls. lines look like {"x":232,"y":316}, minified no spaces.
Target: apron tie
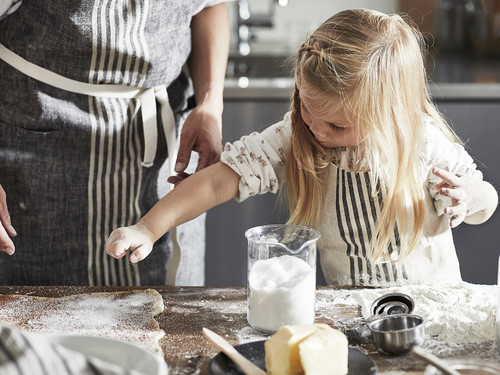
{"x":147,"y":98}
{"x":148,"y":103}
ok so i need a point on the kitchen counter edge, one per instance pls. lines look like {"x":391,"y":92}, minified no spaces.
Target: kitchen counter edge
{"x":282,"y":88}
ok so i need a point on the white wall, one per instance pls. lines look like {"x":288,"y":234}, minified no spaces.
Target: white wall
{"x":294,"y":21}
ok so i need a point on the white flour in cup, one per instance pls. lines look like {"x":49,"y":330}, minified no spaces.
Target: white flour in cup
{"x":281,"y":291}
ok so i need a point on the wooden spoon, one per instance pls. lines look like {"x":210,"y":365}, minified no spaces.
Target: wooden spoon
{"x":243,"y":363}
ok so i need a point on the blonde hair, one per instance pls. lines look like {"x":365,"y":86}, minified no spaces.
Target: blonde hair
{"x":371,"y":65}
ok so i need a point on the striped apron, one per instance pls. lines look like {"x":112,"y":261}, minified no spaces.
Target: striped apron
{"x":78,"y":160}
{"x":352,"y":214}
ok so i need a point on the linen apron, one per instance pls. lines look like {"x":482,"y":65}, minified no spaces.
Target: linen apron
{"x":346,"y":233}
{"x":353,"y":212}
{"x":75,"y":166}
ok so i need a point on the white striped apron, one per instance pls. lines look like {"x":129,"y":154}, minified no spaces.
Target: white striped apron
{"x":147,"y":98}
{"x":352,"y":213}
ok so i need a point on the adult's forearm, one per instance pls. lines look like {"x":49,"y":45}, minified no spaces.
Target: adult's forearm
{"x":210,"y":48}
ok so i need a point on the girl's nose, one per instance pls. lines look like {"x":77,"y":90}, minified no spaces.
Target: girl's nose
{"x":318,"y":129}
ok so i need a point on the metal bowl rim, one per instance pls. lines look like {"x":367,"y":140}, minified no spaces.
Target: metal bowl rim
{"x":389,"y":296}
{"x":397,"y":316}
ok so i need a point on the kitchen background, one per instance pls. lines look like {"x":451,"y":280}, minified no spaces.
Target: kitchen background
{"x":464,"y":67}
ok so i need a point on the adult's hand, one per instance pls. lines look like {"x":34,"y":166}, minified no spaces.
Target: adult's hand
{"x":6,"y":229}
{"x":201,"y":133}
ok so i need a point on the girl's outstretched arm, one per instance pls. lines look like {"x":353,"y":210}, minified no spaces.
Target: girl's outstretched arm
{"x":473,"y":200}
{"x":190,"y":198}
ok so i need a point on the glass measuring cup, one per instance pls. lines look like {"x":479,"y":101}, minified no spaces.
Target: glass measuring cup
{"x":281,"y":278}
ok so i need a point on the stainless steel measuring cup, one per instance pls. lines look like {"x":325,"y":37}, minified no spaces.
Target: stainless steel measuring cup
{"x":394,"y":329}
{"x":391,"y":327}
{"x":396,"y":334}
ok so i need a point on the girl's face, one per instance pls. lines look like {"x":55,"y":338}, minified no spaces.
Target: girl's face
{"x":330,"y":128}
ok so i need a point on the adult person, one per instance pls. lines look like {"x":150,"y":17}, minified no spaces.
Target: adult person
{"x":92,"y":96}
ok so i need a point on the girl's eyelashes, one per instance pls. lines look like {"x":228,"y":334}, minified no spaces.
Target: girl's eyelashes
{"x":335,"y":127}
{"x":306,"y":115}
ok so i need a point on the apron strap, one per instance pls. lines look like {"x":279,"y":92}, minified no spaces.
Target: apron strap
{"x":168,"y":121}
{"x":146,"y":96}
{"x":147,"y":99}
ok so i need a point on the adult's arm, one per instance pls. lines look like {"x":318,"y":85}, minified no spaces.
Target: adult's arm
{"x":202,"y":131}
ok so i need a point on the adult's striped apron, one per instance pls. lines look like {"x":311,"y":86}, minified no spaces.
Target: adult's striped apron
{"x":85,"y":124}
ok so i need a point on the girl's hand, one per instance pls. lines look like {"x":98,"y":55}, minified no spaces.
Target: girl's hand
{"x":138,"y":238}
{"x":461,"y":190}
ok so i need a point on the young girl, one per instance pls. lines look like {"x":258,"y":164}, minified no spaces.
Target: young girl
{"x":364,"y":157}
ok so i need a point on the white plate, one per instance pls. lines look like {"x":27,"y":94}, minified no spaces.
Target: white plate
{"x":126,"y":355}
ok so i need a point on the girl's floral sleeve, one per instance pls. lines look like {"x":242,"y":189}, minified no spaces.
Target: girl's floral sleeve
{"x":259,"y":159}
{"x":439,"y":151}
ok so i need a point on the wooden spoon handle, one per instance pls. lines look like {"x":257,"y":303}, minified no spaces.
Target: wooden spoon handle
{"x":243,"y":363}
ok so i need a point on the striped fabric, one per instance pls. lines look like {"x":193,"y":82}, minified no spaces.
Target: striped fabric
{"x":357,"y":213}
{"x":71,"y":163}
{"x":115,"y":173}
{"x":118,"y":28}
{"x":115,"y":177}
{"x":22,"y":354}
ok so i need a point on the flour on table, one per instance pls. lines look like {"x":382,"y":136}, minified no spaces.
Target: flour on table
{"x":128,"y":316}
{"x":462,"y":313}
{"x":458,"y":314}
{"x":458,"y":319}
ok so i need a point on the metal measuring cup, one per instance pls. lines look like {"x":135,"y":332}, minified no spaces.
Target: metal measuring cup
{"x":391,"y":327}
{"x":394,"y":329}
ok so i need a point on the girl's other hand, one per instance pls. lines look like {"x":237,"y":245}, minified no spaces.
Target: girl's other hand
{"x":138,"y":238}
{"x":461,"y":190}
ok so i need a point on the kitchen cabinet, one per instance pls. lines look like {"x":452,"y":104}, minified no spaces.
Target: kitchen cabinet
{"x":478,"y":124}
{"x":475,"y":117}
{"x":226,"y":253}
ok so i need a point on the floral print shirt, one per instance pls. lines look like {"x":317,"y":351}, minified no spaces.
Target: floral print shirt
{"x":350,"y":210}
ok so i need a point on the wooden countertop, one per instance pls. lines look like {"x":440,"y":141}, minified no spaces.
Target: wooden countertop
{"x":223,"y":310}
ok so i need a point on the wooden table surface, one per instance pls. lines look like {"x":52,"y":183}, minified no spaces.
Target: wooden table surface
{"x":223,"y":310}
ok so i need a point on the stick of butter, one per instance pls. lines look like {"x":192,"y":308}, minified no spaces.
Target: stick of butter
{"x":310,"y":349}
